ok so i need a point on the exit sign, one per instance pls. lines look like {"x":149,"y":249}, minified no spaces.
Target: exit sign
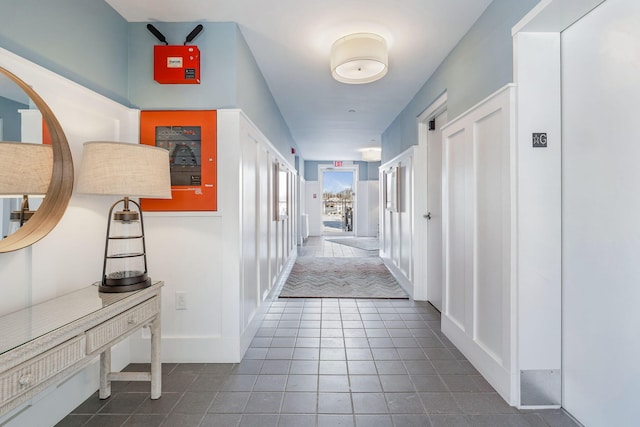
{"x":337,"y":164}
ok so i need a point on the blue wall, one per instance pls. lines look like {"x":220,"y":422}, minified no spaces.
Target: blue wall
{"x":88,"y":42}
{"x":255,"y":99}
{"x":480,"y":64}
{"x":82,"y":40}
{"x":217,"y":68}
{"x":11,"y":119}
{"x":367,"y":171}
{"x":229,"y":75}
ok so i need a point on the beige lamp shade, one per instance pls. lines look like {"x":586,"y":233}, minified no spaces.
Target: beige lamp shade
{"x":359,"y":58}
{"x":123,"y":169}
{"x":25,"y":168}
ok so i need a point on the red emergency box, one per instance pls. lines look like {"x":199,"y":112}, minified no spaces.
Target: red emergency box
{"x":176,"y":64}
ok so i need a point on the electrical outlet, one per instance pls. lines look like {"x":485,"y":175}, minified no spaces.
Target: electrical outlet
{"x":181,"y":300}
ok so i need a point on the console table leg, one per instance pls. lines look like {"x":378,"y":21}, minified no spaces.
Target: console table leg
{"x":156,"y":365}
{"x":105,"y":370}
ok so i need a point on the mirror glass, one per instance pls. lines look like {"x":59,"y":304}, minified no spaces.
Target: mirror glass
{"x":36,"y":168}
{"x":30,"y":173}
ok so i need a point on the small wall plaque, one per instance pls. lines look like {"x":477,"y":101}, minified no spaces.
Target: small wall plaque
{"x":539,"y":140}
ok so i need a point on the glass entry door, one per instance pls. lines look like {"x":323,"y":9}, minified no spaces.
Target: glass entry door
{"x":338,"y":212}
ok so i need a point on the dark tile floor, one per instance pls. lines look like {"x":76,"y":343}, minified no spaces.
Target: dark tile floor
{"x":324,"y":362}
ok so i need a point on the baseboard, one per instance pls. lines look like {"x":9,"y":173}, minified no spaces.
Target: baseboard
{"x":203,"y":349}
{"x":210,"y":349}
{"x":256,"y":321}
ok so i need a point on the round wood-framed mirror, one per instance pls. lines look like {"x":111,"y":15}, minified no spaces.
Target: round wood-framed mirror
{"x":60,"y":187}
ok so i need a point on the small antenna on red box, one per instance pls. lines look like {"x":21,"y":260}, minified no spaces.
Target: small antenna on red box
{"x":193,"y":34}
{"x":157,"y":33}
{"x":176,"y":64}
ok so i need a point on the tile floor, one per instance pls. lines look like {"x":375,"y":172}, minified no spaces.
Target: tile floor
{"x":319,"y":247}
{"x":324,"y":362}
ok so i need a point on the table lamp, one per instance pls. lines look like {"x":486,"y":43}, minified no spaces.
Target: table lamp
{"x":125,"y":170}
{"x":25,"y":170}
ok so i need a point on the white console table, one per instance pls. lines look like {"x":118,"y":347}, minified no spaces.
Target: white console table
{"x":46,"y":343}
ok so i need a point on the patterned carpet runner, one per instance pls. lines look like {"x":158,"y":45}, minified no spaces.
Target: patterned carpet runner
{"x":347,"y":277}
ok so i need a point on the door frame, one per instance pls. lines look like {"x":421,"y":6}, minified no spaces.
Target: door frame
{"x":345,"y":168}
{"x":420,"y":291}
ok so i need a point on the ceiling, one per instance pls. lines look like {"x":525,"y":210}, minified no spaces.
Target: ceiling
{"x":291,"y":42}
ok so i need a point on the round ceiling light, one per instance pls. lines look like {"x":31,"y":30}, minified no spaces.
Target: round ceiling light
{"x":371,"y":154}
{"x":359,"y":58}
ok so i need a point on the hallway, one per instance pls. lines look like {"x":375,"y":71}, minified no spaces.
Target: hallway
{"x":325,"y":362}
{"x":315,"y":246}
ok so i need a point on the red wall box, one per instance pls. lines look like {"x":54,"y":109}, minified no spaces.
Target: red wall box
{"x":190,"y":137}
{"x":176,"y":64}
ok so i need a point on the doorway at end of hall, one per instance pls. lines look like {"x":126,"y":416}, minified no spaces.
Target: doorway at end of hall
{"x":338,"y":201}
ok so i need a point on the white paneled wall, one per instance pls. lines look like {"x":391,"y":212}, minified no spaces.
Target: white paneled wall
{"x":479,"y":218}
{"x":265,"y":223}
{"x":397,"y":228}
{"x":70,"y":257}
{"x":267,"y":239}
{"x":227,"y":262}
{"x":263,"y":261}
{"x":250,"y":272}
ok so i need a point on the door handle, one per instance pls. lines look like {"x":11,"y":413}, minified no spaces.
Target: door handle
{"x":427,"y":215}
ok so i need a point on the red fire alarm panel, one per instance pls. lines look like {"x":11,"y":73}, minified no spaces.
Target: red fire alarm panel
{"x":190,"y":138}
{"x":176,"y":64}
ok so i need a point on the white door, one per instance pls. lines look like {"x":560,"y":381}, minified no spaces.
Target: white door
{"x":434,"y":215}
{"x":601,"y":216}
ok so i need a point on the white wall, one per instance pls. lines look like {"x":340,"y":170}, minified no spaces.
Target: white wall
{"x":589,"y":49}
{"x":539,"y":209}
{"x":259,"y":221}
{"x":313,"y":205}
{"x":371,"y":221}
{"x":397,"y":227}
{"x":367,"y":209}
{"x":601,"y":202}
{"x":227,"y":262}
{"x":70,"y":257}
{"x":478,"y":210}
{"x":301,"y":215}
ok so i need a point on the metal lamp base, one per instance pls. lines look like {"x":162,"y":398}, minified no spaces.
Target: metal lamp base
{"x":124,"y":284}
{"x":125,"y":263}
